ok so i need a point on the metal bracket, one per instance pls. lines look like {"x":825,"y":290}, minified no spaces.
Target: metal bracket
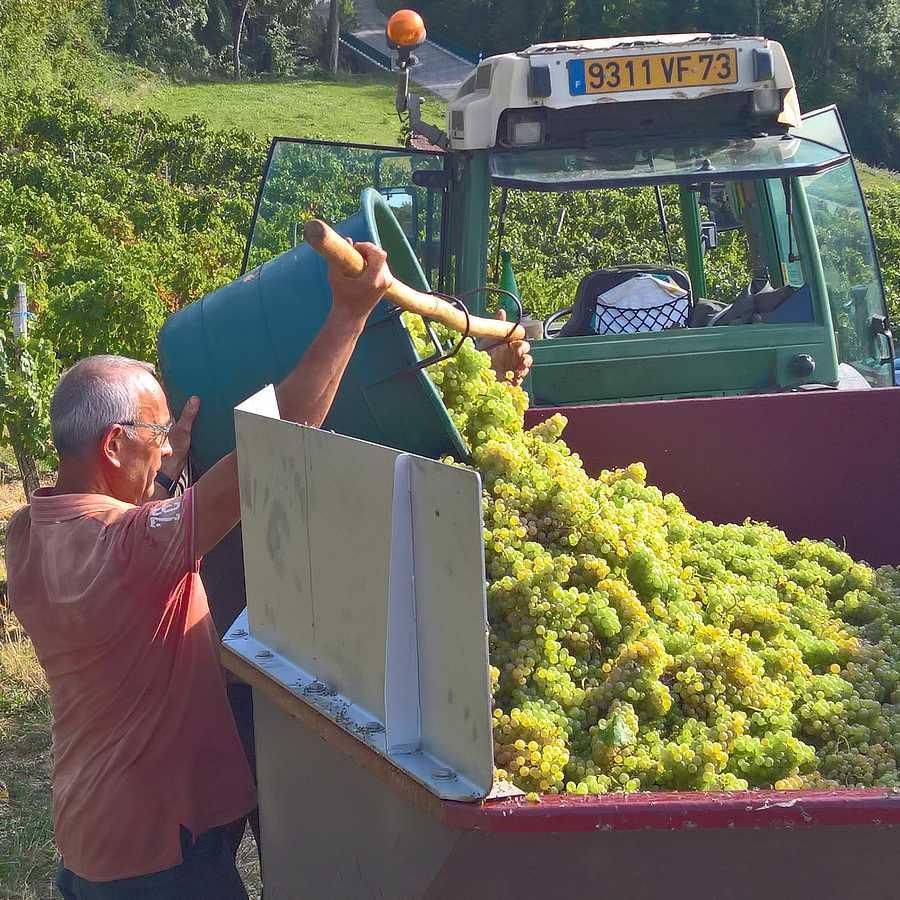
{"x":357,"y":721}
{"x":417,"y":125}
{"x":403,"y":721}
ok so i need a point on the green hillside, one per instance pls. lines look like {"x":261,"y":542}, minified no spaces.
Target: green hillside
{"x":873,"y":178}
{"x":347,"y":108}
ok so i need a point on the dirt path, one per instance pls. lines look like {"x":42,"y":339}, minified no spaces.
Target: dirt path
{"x":27,"y":854}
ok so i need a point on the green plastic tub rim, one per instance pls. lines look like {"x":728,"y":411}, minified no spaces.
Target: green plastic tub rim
{"x":388,"y":234}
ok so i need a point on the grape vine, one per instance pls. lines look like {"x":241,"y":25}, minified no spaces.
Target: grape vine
{"x":112,"y":222}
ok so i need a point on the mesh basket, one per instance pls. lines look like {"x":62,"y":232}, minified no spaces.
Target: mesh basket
{"x":620,"y":320}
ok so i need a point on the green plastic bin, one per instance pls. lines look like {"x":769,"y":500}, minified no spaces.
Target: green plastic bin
{"x":252,"y":332}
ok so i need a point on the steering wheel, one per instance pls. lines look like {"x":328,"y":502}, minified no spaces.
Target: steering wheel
{"x":717,"y":318}
{"x":750,"y":306}
{"x":552,"y":325}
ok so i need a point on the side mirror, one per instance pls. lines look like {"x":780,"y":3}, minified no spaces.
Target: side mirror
{"x":709,"y":236}
{"x":718,"y":202}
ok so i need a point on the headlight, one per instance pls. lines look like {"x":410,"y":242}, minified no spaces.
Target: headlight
{"x":523,"y":128}
{"x":524,"y":133}
{"x":766,"y":102}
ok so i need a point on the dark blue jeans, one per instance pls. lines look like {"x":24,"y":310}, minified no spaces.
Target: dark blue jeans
{"x":207,"y":872}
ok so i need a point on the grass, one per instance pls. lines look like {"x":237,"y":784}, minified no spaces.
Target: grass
{"x":27,"y":854}
{"x":357,"y":108}
{"x":105,"y":74}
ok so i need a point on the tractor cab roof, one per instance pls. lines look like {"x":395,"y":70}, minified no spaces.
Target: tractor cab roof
{"x":573,"y":93}
{"x":632,"y":42}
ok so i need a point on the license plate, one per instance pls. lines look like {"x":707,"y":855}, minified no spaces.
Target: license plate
{"x":652,"y":71}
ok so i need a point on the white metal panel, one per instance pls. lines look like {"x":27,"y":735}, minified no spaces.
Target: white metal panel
{"x":366,"y":597}
{"x":451,"y":609}
{"x":429,"y":770}
{"x":263,"y":403}
{"x":402,"y":721}
{"x":318,"y":584}
{"x":273,"y":523}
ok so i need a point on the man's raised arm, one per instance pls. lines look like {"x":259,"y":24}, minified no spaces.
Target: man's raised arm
{"x":306,"y":394}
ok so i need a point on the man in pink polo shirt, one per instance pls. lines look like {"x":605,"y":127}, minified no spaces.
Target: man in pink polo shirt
{"x":147,"y":764}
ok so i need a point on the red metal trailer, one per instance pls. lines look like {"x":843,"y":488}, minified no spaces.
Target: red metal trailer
{"x":340,"y":824}
{"x":340,"y":819}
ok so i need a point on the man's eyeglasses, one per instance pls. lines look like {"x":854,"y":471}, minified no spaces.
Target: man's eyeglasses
{"x":162,"y":431}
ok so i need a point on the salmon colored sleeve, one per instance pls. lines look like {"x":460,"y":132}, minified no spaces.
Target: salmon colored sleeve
{"x":159,"y":538}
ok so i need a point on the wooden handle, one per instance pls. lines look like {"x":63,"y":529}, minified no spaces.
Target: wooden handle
{"x":338,"y":253}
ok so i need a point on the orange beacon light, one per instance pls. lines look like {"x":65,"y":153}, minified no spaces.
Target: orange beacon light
{"x":405,"y":29}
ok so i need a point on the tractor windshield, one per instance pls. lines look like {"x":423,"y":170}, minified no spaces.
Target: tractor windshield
{"x":766,"y":231}
{"x":674,"y":162}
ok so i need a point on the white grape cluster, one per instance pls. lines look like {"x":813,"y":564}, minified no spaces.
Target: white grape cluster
{"x":634,"y":647}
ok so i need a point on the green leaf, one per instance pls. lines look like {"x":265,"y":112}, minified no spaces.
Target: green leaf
{"x":620,"y":732}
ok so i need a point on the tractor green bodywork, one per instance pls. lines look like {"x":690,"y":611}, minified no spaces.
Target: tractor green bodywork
{"x":805,"y":224}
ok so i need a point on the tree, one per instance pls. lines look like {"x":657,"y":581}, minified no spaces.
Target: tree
{"x":847,"y":53}
{"x":28,"y":374}
{"x":161,"y":34}
{"x":332,"y":36}
{"x":239,"y":10}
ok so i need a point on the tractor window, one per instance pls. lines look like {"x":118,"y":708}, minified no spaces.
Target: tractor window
{"x":730,"y":248}
{"x":851,"y":271}
{"x":306,"y":179}
{"x":789,"y":264}
{"x":682,"y":162}
{"x":556,"y":239}
{"x":824,"y":126}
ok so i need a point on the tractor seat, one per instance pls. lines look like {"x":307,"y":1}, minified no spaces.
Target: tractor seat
{"x":588,"y":315}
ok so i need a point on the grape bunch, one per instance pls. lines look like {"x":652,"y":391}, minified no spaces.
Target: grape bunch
{"x":634,"y":647}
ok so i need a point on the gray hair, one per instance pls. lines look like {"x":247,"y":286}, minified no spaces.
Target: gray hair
{"x":96,"y":392}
